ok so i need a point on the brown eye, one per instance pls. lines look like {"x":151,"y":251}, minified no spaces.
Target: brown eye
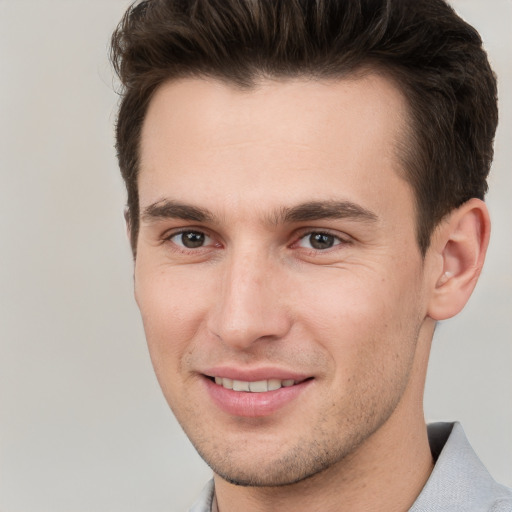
{"x":190,"y":239}
{"x":319,"y":241}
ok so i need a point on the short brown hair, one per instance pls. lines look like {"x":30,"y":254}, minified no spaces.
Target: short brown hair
{"x":434,"y":56}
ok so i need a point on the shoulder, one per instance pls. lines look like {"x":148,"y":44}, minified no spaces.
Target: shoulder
{"x":459,"y":481}
{"x":503,"y":504}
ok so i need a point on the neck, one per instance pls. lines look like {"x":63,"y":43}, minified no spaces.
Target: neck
{"x":386,"y":474}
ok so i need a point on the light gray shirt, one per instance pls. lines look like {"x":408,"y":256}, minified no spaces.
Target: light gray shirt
{"x":458,"y":483}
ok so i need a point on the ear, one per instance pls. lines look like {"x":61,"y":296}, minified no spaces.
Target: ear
{"x":459,"y":246}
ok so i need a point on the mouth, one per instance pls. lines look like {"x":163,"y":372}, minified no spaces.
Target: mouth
{"x":257,"y":386}
{"x":255,"y":398}
{"x":255,"y":392}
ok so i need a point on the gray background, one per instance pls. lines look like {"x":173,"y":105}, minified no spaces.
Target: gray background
{"x":83,"y":426}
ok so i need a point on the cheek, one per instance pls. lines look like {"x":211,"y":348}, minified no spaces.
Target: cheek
{"x":172,"y":306}
{"x":363,"y":321}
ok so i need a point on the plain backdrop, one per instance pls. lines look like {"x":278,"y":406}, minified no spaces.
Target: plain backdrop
{"x":83,"y":425}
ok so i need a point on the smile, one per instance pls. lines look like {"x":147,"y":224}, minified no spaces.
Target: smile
{"x":256,"y":397}
{"x":258,"y":386}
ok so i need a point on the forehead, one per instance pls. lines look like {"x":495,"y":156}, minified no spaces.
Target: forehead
{"x":300,"y":139}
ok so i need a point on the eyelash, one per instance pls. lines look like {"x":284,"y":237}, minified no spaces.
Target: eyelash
{"x":338,"y":240}
{"x":169,"y":236}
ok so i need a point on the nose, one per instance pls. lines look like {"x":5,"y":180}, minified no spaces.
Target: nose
{"x":252,"y":303}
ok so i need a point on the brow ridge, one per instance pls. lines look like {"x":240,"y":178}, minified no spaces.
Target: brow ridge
{"x":170,"y":209}
{"x":308,"y":211}
{"x":332,"y":209}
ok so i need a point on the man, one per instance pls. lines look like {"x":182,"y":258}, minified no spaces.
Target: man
{"x":305,"y":184}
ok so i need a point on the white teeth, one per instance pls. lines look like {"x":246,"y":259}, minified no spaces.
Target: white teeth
{"x":240,"y":385}
{"x":273,"y":384}
{"x":258,"y":386}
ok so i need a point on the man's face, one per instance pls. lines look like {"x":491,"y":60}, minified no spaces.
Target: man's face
{"x":277,"y":254}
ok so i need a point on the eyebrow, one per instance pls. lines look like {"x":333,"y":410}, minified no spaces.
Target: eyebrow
{"x":168,"y":209}
{"x":309,"y":211}
{"x":317,"y":210}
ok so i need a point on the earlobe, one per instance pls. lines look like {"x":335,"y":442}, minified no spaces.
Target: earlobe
{"x":460,"y":244}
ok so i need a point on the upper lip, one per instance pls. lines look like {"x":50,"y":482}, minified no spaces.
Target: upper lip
{"x":254,"y":374}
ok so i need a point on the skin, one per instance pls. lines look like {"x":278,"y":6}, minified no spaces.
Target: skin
{"x":356,"y":318}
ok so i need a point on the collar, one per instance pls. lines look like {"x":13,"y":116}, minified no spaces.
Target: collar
{"x":458,"y":482}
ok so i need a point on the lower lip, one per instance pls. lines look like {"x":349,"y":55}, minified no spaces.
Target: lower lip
{"x":253,"y":405}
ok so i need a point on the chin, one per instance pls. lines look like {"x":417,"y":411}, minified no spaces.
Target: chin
{"x":286,"y":469}
{"x":258,"y":478}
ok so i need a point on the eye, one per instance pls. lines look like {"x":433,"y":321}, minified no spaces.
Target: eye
{"x":319,"y":241}
{"x":190,"y":239}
